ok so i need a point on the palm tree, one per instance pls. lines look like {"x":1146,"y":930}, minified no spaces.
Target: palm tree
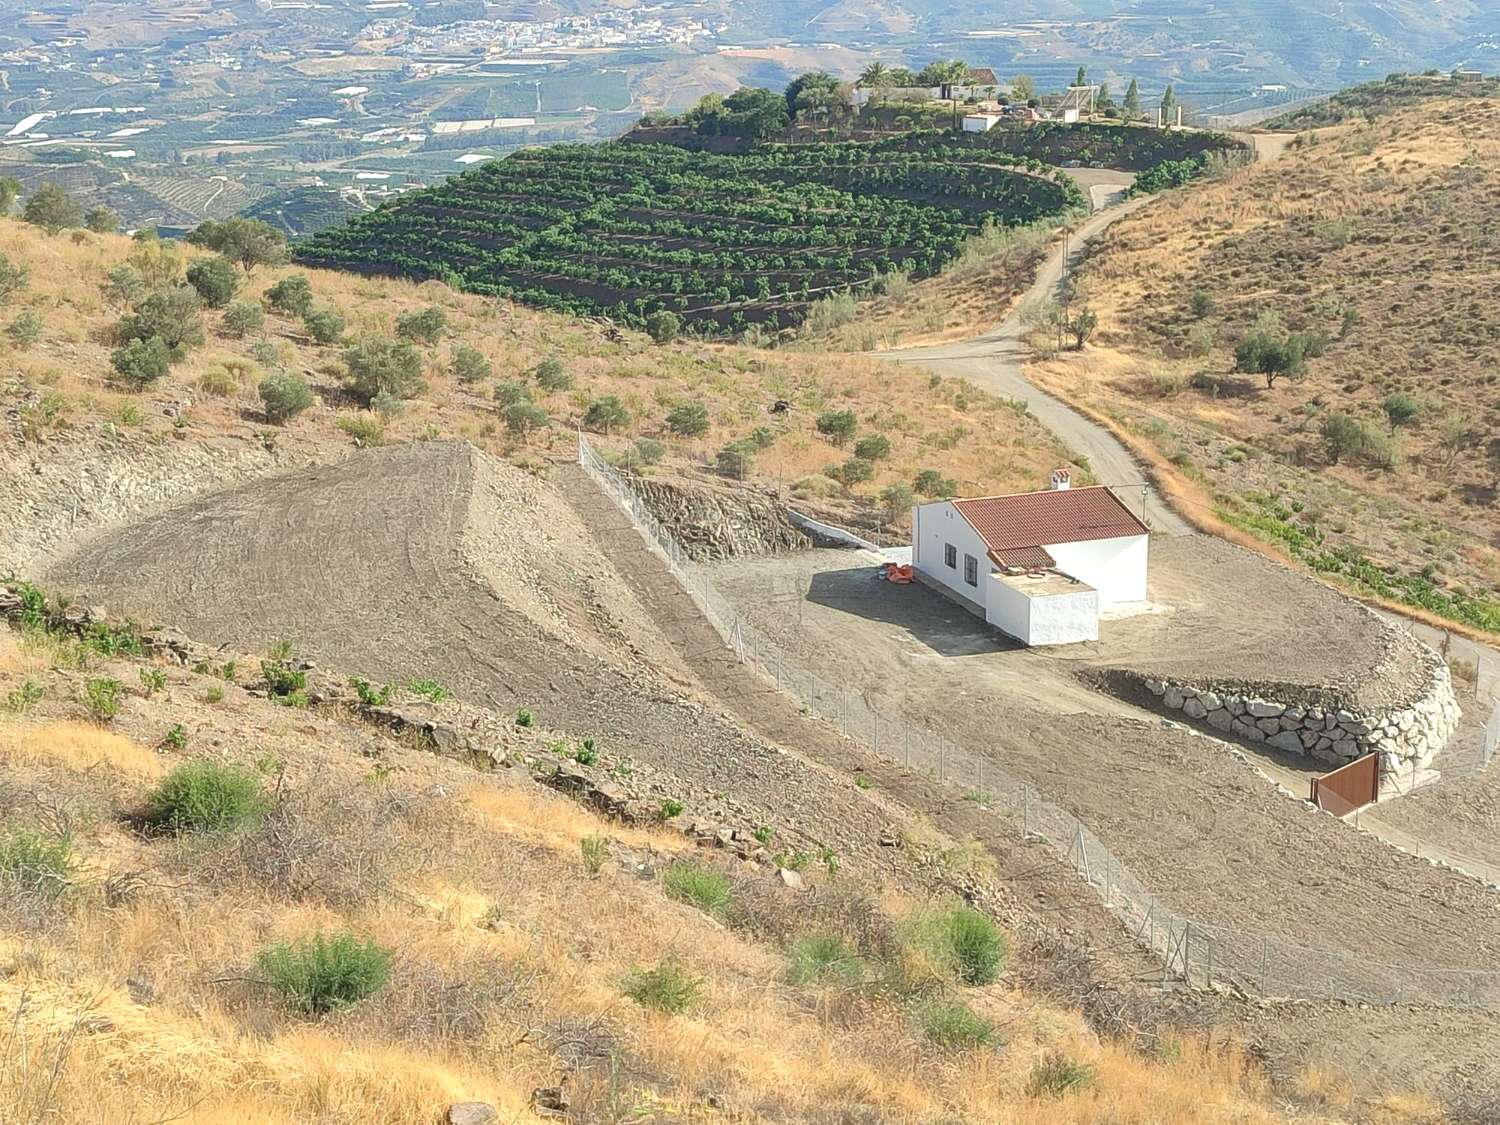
{"x":874,"y":76}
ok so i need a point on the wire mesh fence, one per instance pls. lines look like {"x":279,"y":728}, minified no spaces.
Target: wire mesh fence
{"x":1188,"y":951}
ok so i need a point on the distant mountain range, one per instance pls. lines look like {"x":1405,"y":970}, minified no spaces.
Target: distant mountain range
{"x":1303,"y":42}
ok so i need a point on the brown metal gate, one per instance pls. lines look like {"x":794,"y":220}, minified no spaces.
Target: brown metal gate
{"x":1349,"y":787}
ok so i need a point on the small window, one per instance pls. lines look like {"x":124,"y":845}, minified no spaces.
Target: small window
{"x":971,"y":570}
{"x":950,"y":555}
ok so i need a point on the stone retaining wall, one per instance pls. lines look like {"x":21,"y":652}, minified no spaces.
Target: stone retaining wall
{"x":1406,"y":738}
{"x":720,"y":524}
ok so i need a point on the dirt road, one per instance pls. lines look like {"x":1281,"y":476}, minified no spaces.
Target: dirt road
{"x":994,"y":361}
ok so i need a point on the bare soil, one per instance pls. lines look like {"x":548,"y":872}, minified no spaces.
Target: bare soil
{"x":1203,"y":831}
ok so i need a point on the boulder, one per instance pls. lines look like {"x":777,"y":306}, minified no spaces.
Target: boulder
{"x":1261,"y":709}
{"x":1173,"y":697}
{"x":472,"y":1113}
{"x":1269,"y":725}
{"x":1194,"y":709}
{"x":1220,"y":719}
{"x":1210,"y":700}
{"x":1287,"y":740}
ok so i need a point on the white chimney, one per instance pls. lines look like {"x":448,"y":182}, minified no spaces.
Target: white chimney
{"x":1062,"y":480}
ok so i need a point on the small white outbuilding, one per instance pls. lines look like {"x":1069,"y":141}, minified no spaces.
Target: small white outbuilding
{"x":981,"y":122}
{"x":1038,"y":566}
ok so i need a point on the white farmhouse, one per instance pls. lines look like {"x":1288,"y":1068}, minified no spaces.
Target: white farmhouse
{"x":1038,"y":566}
{"x":981,"y":122}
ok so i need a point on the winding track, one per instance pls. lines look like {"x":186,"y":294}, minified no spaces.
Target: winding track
{"x":995,"y":360}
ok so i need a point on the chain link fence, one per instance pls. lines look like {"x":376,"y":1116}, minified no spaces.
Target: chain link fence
{"x":1189,"y":951}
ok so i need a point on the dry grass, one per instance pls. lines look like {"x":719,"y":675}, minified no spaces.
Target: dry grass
{"x":509,"y":962}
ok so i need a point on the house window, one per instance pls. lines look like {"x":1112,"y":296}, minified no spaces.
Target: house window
{"x":971,"y":570}
{"x":950,"y":555}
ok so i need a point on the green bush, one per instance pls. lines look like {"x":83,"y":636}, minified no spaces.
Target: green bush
{"x":702,"y":887}
{"x":153,"y":680}
{"x":284,"y":679}
{"x":382,"y":366}
{"x":207,"y":796}
{"x":854,"y":471}
{"x":292,"y":295}
{"x":961,"y":942}
{"x":174,"y":315}
{"x":953,"y":1025}
{"x":666,"y":988}
{"x":317,"y":974}
{"x":552,"y":376}
{"x":1401,"y":408}
{"x":324,"y":324}
{"x":141,"y":362}
{"x":284,"y":395}
{"x":690,"y":419}
{"x":101,"y":220}
{"x":896,"y":500}
{"x":215,"y":279}
{"x":605,"y":414}
{"x":242,"y":318}
{"x":821,"y":959}
{"x":524,"y":718}
{"x":430,"y":690}
{"x":1057,"y":1075}
{"x":37,"y":864}
{"x":521,"y":418}
{"x":508,"y":392}
{"x":25,"y":329}
{"x":101,"y":696}
{"x":425,"y":326}
{"x":930,"y":483}
{"x":648,"y":451}
{"x":663,"y":326}
{"x":837,"y":426}
{"x":52,"y":209}
{"x":595,"y":852}
{"x":365,"y":429}
{"x":468,"y":364}
{"x":368,"y":695}
{"x":737,"y":459}
{"x":670,"y":807}
{"x":873,"y":447}
{"x":13,"y":277}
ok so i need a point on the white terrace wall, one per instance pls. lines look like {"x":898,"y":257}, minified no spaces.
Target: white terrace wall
{"x":1114,"y":567}
{"x":1406,"y":738}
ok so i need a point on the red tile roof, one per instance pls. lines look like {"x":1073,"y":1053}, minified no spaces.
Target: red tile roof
{"x":1032,"y":558}
{"x":1011,"y":525}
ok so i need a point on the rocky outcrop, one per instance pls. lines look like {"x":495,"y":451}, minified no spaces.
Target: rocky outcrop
{"x":720,"y":524}
{"x":1406,"y":737}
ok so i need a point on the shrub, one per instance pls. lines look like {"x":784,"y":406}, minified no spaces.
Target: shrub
{"x":368,"y":695}
{"x":468,"y":364}
{"x":953,"y":1025}
{"x":25,"y":329}
{"x":207,"y":796}
{"x":141,"y":362}
{"x":284,"y":679}
{"x":702,"y":887}
{"x":242,"y":318}
{"x":215,"y":279}
{"x":930,"y":482}
{"x":325,"y":971}
{"x":510,"y":391}
{"x":670,"y":807}
{"x":762,"y":437}
{"x":837,"y":426}
{"x":961,"y":942}
{"x":822,"y":958}
{"x":896,"y":500}
{"x":521,"y":418}
{"x":1347,"y":437}
{"x":37,"y":864}
{"x":524,"y":718}
{"x":1057,"y":1075}
{"x":854,"y":471}
{"x":101,"y":696}
{"x":382,"y":366}
{"x":176,"y":738}
{"x":666,"y":988}
{"x":1401,"y":408}
{"x":52,"y":209}
{"x":13,"y":277}
{"x":173,"y":314}
{"x":690,"y":419}
{"x":595,"y":852}
{"x":552,"y":376}
{"x":324,"y":324}
{"x":250,"y":242}
{"x":873,"y":447}
{"x":737,"y":459}
{"x":218,"y":382}
{"x":1200,"y":304}
{"x":648,"y":451}
{"x":101,"y":220}
{"x":284,"y":396}
{"x":1269,"y":350}
{"x":663,"y":326}
{"x":153,"y":680}
{"x":24,"y":698}
{"x":605,"y":414}
{"x":430,"y":690}
{"x":292,"y":295}
{"x":424,"y":326}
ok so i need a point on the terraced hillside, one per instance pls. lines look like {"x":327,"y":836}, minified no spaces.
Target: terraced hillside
{"x":733,"y":240}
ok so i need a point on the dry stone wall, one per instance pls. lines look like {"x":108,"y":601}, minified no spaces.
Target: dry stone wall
{"x":714,"y":524}
{"x":1406,"y":737}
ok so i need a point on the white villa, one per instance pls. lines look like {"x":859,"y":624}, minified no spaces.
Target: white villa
{"x":1038,"y":566}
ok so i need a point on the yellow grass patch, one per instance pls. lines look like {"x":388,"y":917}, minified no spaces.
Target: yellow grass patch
{"x":557,"y":823}
{"x":79,"y":747}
